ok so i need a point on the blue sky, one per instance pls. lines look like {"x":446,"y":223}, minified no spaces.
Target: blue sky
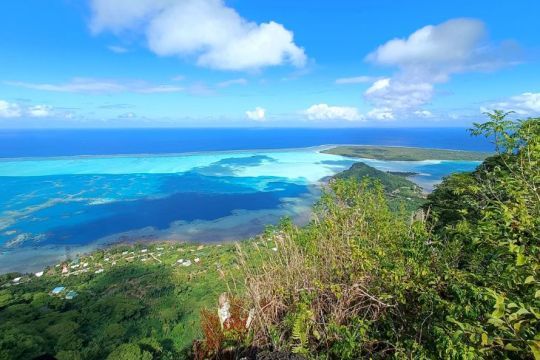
{"x":340,"y":63}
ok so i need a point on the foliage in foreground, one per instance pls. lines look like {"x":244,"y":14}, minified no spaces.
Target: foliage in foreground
{"x":363,"y":281}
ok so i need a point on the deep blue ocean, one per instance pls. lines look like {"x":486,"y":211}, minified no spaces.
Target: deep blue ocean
{"x":34,"y":143}
{"x":70,"y":191}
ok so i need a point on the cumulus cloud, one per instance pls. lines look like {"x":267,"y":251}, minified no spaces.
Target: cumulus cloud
{"x":14,"y":110}
{"x":423,"y":113}
{"x":88,"y":85}
{"x":399,"y":95}
{"x":9,"y":110}
{"x":527,"y":103}
{"x":258,"y":114}
{"x":355,"y":80}
{"x":381,"y":114}
{"x":327,"y":112}
{"x":434,"y":52}
{"x":429,"y":56}
{"x":40,"y":111}
{"x":215,"y":34}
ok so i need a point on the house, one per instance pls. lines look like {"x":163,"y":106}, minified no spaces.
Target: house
{"x":71,"y":295}
{"x":39,"y":274}
{"x":57,"y":290}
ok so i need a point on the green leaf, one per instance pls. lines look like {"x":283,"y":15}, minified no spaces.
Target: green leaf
{"x":521,"y":259}
{"x":484,"y":339}
{"x":535,"y":348}
{"x":510,"y":347}
{"x":499,"y":307}
{"x":522,"y":311}
{"x":496,"y":322}
{"x":529,"y":279}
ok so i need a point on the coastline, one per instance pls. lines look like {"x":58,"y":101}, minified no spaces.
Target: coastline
{"x":229,"y":232}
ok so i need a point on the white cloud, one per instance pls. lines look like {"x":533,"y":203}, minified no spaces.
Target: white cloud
{"x":40,"y":111}
{"x":326,"y":112}
{"x":381,"y":114}
{"x":9,"y":110}
{"x":399,"y":95}
{"x":429,"y":56}
{"x":527,"y":103}
{"x":14,"y":110}
{"x":355,"y":80}
{"x":215,"y":34}
{"x":258,"y":114}
{"x":88,"y":85}
{"x":228,"y":83}
{"x":435,"y":51}
{"x":423,"y":113}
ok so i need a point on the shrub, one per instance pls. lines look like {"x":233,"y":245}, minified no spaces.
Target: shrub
{"x":364,"y":281}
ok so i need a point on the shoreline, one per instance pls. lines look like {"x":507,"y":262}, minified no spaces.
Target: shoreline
{"x":30,"y":256}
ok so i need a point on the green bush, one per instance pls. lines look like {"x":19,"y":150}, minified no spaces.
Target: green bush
{"x":363,"y":281}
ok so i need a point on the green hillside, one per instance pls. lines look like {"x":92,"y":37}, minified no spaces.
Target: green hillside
{"x":398,"y":189}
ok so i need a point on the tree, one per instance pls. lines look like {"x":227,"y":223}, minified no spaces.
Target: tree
{"x":129,"y":351}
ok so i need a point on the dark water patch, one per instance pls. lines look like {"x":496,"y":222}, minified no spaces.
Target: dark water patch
{"x":41,"y":143}
{"x":99,"y":221}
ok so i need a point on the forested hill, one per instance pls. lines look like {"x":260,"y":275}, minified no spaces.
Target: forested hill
{"x":398,"y":189}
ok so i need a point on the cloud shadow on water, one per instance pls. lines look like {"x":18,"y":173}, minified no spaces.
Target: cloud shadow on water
{"x":159,"y":213}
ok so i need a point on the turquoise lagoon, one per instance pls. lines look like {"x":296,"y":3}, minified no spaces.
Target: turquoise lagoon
{"x":53,"y":208}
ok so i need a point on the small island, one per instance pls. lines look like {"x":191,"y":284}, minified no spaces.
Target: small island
{"x":398,"y":153}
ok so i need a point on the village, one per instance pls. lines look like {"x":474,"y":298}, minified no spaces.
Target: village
{"x":187,"y":258}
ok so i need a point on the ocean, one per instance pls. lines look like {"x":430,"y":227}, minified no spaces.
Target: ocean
{"x":70,"y":191}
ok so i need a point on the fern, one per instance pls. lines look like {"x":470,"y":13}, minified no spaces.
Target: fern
{"x":302,"y":324}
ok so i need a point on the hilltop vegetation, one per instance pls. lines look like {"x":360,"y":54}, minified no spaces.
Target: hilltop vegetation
{"x":361,"y":281}
{"x":399,"y":153}
{"x":398,"y":190}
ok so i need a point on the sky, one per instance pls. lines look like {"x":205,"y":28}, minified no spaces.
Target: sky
{"x":266,"y":63}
